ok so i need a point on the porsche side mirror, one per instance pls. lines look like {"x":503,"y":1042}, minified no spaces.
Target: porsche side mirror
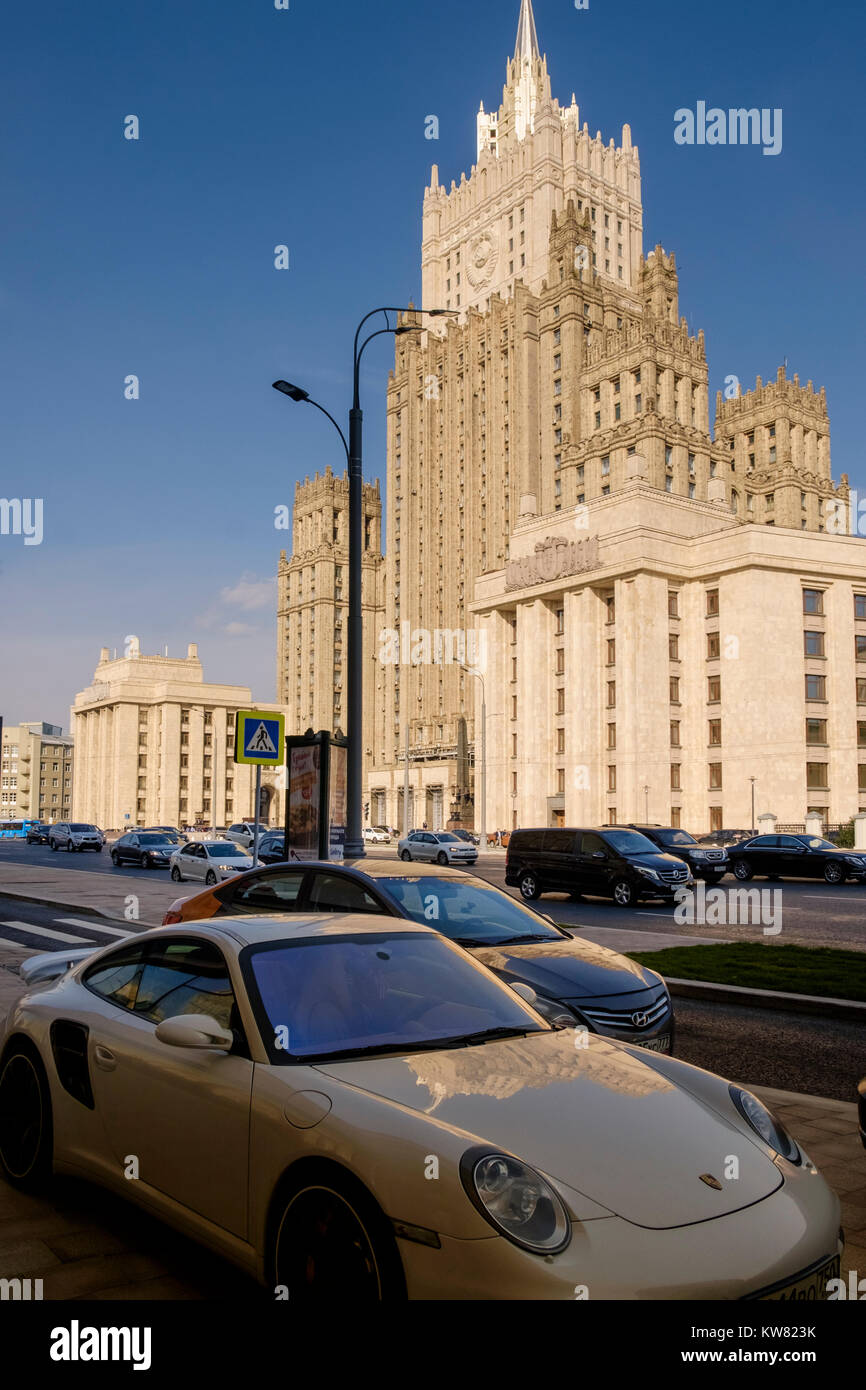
{"x":526,"y":992}
{"x":194,"y":1030}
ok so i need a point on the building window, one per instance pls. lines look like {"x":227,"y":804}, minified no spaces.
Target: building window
{"x":560,"y":741}
{"x":861,"y":691}
{"x":611,"y":736}
{"x":860,"y":606}
{"x":675,"y":777}
{"x":675,"y":733}
{"x":674,"y":647}
{"x":813,"y":602}
{"x":816,"y":776}
{"x":816,"y":687}
{"x":673,"y":604}
{"x":861,"y":733}
{"x":816,"y":730}
{"x":560,"y":781}
{"x":611,"y":777}
{"x":610,"y":605}
{"x":715,"y":782}
{"x":675,"y":690}
{"x":560,"y":700}
{"x":813,"y":643}
{"x":560,"y":621}
{"x":859,"y":647}
{"x":713,"y":646}
{"x":712,"y":603}
{"x":675,"y":817}
{"x":714,"y":727}
{"x":611,"y":694}
{"x":714,"y":689}
{"x":605,"y":465}
{"x":560,"y":661}
{"x":611,"y":652}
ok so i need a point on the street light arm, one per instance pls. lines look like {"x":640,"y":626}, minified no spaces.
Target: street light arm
{"x":310,"y":401}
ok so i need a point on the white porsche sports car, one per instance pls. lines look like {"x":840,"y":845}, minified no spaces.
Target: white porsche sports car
{"x":353,"y":1106}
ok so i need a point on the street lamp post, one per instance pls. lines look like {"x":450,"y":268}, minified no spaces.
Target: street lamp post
{"x":753,"y":780}
{"x":354,"y":847}
{"x":646,"y":804}
{"x":482,"y":828}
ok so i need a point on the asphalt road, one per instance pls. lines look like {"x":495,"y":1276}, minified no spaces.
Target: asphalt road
{"x":808,"y":912}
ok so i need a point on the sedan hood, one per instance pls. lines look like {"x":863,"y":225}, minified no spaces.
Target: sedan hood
{"x":599,"y":1119}
{"x":566,"y":969}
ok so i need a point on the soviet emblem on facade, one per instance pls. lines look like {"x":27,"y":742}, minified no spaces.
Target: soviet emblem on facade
{"x":481,"y":260}
{"x":554,"y":558}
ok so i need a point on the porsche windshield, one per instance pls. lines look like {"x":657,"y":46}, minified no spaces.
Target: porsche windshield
{"x":389,"y":992}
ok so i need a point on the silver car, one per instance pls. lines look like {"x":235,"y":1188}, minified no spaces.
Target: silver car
{"x":436,"y":847}
{"x":209,"y":861}
{"x":243,"y":833}
{"x":70,"y":835}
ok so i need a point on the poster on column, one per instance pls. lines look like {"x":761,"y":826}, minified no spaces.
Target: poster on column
{"x":337,"y":802}
{"x":304,"y":775}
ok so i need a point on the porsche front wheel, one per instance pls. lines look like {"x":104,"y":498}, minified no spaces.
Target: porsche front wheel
{"x":26,"y":1134}
{"x":331,"y":1241}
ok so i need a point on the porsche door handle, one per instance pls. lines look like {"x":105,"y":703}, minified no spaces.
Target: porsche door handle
{"x":104,"y":1059}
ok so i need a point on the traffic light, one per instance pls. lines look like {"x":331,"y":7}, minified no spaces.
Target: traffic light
{"x":366,"y":809}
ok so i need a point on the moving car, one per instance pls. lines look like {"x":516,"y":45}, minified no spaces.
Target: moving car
{"x":244,"y":832}
{"x":723,"y":839}
{"x":576,"y":982}
{"x":169,"y":831}
{"x":284,"y":1087}
{"x":467,"y":836}
{"x":436,"y":847}
{"x":149,"y":849}
{"x":37,"y":834}
{"x":77,"y":835}
{"x":272,"y":848}
{"x":209,"y":861}
{"x":373,"y":836}
{"x":709,"y":862}
{"x":608,"y":862}
{"x":796,"y":856}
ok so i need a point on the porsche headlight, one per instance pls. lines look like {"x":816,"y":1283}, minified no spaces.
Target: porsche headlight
{"x":765,"y":1125}
{"x":516,"y":1200}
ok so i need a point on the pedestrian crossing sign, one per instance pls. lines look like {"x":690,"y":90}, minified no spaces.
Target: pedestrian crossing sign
{"x":259,"y":737}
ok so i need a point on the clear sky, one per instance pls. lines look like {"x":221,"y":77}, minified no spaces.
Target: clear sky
{"x":306,"y":127}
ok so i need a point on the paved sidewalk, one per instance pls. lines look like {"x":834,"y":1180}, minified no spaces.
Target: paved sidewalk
{"x":87,"y":1244}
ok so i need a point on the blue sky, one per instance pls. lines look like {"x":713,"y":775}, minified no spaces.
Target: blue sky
{"x":306,"y":127}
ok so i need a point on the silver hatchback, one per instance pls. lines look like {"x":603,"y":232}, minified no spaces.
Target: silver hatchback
{"x":436,"y":847}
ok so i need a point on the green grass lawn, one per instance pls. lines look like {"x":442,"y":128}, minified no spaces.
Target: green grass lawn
{"x":798,"y":969}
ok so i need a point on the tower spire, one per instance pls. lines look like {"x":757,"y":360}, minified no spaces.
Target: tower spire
{"x":527,"y":38}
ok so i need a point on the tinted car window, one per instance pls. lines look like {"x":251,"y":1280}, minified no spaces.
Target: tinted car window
{"x":269,"y":893}
{"x":591,"y":843}
{"x":559,"y":841}
{"x":791,"y":842}
{"x":332,"y":893}
{"x":527,"y":839}
{"x":674,"y":837}
{"x":185,"y":978}
{"x":461,"y":910}
{"x":117,"y":977}
{"x":764,"y":842}
{"x":630,"y":842}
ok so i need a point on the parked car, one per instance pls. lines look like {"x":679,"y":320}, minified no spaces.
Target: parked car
{"x":608,"y":862}
{"x":149,"y":849}
{"x":795,"y":856}
{"x":244,"y":832}
{"x":372,"y":836}
{"x":436,"y":847}
{"x":71,"y":835}
{"x":208,"y":861}
{"x":38,"y":834}
{"x":170,"y":831}
{"x":467,"y":837}
{"x":283,"y":1087}
{"x":709,"y":862}
{"x":577,"y":982}
{"x":272,"y":848}
{"x":723,"y":839}
{"x":383,"y":830}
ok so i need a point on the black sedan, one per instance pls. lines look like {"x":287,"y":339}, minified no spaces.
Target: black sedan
{"x":576,"y":982}
{"x":795,"y":856}
{"x":709,"y":862}
{"x":38,"y":834}
{"x":149,"y":849}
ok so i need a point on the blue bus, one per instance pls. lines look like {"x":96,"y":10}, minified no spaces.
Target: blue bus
{"x":15,"y":829}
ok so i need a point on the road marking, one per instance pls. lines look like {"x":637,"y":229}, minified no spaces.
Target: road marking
{"x":93,"y":926}
{"x":52,"y":935}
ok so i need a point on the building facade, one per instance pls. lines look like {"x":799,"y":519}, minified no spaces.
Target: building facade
{"x":566,"y":399}
{"x":155,"y":746}
{"x":37,"y":773}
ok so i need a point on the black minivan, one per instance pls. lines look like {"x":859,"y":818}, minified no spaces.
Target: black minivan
{"x":609,"y":862}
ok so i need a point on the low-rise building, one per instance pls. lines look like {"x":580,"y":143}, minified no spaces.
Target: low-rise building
{"x":37,"y":772}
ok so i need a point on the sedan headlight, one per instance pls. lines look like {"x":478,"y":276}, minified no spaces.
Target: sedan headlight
{"x":854,"y":858}
{"x":649,"y":873}
{"x":516,"y":1200}
{"x":765,"y":1125}
{"x":559,"y":1015}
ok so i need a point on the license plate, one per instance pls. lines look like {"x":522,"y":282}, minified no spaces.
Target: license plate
{"x":660,"y":1044}
{"x":812,"y":1288}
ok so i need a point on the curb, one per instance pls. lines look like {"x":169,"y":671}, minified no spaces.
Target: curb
{"x":827,"y":1007}
{"x":71,"y":907}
